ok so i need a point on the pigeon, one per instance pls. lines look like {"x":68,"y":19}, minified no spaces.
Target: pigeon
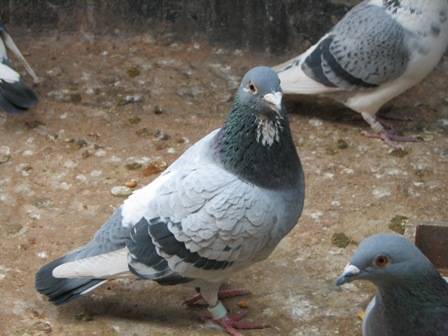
{"x":412,"y":297}
{"x":15,"y":96}
{"x":220,"y":207}
{"x":378,"y":50}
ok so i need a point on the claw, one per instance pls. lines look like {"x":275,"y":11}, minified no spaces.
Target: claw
{"x":232,"y":323}
{"x":380,"y":132}
{"x":390,"y":138}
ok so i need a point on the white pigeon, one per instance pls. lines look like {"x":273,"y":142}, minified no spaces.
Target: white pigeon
{"x":222,"y":206}
{"x":15,"y":96}
{"x":380,"y":49}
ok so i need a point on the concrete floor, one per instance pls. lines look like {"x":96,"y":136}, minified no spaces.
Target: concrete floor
{"x":117,"y":109}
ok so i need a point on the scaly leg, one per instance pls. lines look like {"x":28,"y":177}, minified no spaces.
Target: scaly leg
{"x":223,"y":293}
{"x":219,"y":314}
{"x":388,"y":136}
{"x":232,"y":323}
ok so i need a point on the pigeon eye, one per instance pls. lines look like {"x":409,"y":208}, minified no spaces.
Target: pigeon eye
{"x":253,"y":88}
{"x":381,"y":261}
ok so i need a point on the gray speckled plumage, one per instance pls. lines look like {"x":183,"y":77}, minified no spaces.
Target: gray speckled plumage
{"x":377,"y":51}
{"x":412,"y":297}
{"x":206,"y":216}
{"x":365,"y":49}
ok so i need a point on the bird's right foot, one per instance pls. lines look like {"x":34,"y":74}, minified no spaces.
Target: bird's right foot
{"x":232,"y":323}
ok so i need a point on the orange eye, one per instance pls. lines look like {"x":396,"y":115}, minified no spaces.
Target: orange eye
{"x":381,"y":261}
{"x":253,"y":88}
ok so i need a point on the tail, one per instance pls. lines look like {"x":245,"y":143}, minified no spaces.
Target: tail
{"x":63,"y":290}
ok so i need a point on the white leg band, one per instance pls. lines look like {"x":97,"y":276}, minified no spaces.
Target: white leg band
{"x":218,"y":312}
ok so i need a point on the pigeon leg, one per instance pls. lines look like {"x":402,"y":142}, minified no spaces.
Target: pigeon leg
{"x":232,"y":323}
{"x":390,"y":138}
{"x":223,"y":293}
{"x":220,"y":316}
{"x":380,"y":132}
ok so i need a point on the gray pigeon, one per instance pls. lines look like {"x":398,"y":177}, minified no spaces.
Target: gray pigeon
{"x":222,"y":206}
{"x":15,"y":96}
{"x":380,"y":49}
{"x":412,"y":297}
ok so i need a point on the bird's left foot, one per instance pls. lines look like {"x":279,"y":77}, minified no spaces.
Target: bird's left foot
{"x":224,"y":293}
{"x":390,"y":138}
{"x":232,"y":323}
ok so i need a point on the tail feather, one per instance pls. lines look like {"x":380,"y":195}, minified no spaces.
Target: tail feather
{"x":16,"y":97}
{"x":63,"y":290}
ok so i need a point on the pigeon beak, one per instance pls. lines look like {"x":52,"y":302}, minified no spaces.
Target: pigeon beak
{"x":274,"y":100}
{"x":350,"y":272}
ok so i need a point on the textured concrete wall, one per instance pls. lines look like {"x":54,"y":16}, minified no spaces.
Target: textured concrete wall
{"x":274,"y":25}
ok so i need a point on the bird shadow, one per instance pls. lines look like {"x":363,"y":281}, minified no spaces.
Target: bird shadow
{"x":324,"y":109}
{"x":405,"y":118}
{"x":155,"y":305}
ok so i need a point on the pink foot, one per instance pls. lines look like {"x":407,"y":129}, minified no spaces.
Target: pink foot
{"x":224,"y":293}
{"x":390,"y":138}
{"x":231,"y":324}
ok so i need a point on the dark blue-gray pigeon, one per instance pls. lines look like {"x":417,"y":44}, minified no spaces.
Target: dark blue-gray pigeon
{"x":15,"y":96}
{"x":379,"y":49}
{"x":222,"y":206}
{"x":412,"y":296}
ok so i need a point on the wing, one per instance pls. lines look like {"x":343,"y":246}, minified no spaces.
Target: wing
{"x":365,"y":49}
{"x":103,"y":257}
{"x":106,"y":255}
{"x":204,"y":223}
{"x":7,"y":41}
{"x":14,"y":95}
{"x":196,"y":220}
{"x":373,"y":323}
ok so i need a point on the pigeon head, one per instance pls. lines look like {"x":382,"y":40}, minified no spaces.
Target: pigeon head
{"x":386,"y":259}
{"x":260,"y":91}
{"x":259,"y":102}
{"x":255,"y":142}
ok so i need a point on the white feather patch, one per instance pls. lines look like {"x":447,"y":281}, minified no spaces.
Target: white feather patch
{"x":268,"y":131}
{"x":295,"y":81}
{"x":8,"y":75}
{"x":136,"y":206}
{"x":103,"y":266}
{"x":11,"y":45}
